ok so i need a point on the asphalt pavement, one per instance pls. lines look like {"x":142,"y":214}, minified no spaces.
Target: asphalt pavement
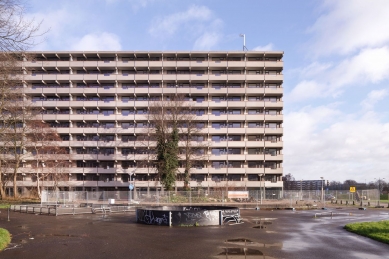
{"x":264,"y":234}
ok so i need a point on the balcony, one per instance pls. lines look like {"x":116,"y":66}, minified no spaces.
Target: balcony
{"x":255,"y":130}
{"x":272,"y":131}
{"x":199,"y":63}
{"x":217,"y":77}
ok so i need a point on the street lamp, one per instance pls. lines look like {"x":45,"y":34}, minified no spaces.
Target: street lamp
{"x":379,"y":189}
{"x":301,"y":189}
{"x":322,"y":192}
{"x":130,"y":196}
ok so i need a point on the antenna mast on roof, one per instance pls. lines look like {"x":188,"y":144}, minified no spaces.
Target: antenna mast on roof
{"x":244,"y":41}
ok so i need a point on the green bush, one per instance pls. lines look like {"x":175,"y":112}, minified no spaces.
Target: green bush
{"x":5,"y":238}
{"x":375,"y":230}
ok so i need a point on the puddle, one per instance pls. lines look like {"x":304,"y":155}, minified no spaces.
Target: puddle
{"x":240,"y":251}
{"x":248,"y":242}
{"x":260,"y":227}
{"x":240,"y":240}
{"x":22,"y":227}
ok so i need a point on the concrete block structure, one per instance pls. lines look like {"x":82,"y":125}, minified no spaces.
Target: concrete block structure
{"x":98,"y":102}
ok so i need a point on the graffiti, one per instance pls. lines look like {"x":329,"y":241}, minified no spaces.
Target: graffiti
{"x":230,"y":211}
{"x":191,"y":208}
{"x":148,"y":217}
{"x":189,"y":215}
{"x":211,"y":215}
{"x":193,"y":215}
{"x":163,"y":220}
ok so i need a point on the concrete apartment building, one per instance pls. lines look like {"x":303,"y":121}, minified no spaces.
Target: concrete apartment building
{"x":98,"y":103}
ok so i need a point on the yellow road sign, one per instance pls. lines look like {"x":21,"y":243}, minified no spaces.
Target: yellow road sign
{"x":352,"y":189}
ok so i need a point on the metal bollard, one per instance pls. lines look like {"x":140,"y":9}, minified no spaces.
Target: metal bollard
{"x":8,"y":213}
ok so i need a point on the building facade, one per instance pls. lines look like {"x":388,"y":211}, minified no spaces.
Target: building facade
{"x":98,"y":103}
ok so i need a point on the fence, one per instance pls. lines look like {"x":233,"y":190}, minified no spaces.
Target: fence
{"x":80,"y":198}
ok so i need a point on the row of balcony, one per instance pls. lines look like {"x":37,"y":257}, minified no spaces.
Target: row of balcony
{"x":141,"y":117}
{"x":241,"y":144}
{"x":154,"y":77}
{"x":141,"y":157}
{"x":150,"y":171}
{"x":121,"y":104}
{"x":154,"y":91}
{"x":154,"y":64}
{"x":73,"y":130}
{"x":211,"y":131}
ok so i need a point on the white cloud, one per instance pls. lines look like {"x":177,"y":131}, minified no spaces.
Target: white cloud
{"x":169,"y":24}
{"x":323,"y":141}
{"x":207,"y":41}
{"x":373,"y":97}
{"x":101,"y":41}
{"x":197,"y":23}
{"x":137,"y":4}
{"x":369,"y":66}
{"x":267,"y":47}
{"x":346,"y":26}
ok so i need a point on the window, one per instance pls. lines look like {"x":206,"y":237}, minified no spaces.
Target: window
{"x":198,"y":99}
{"x":234,"y":125}
{"x":254,"y":138}
{"x":234,"y":98}
{"x":107,"y":112}
{"x":234,"y":112}
{"x":255,"y":125}
{"x":107,"y":99}
{"x":218,"y":138}
{"x":127,"y":98}
{"x":127,"y":125}
{"x":127,"y":86}
{"x":255,"y":85}
{"x":126,"y":138}
{"x":200,"y":125}
{"x":254,"y":151}
{"x":270,"y":99}
{"x":255,"y":111}
{"x":234,"y":138}
{"x":254,"y":98}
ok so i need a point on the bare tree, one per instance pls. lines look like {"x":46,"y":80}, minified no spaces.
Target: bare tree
{"x":17,"y":34}
{"x":172,"y":118}
{"x":15,"y":135}
{"x":194,"y":144}
{"x":48,"y":158}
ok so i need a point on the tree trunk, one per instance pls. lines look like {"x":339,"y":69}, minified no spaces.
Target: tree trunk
{"x":38,"y":186}
{"x":15,"y":175}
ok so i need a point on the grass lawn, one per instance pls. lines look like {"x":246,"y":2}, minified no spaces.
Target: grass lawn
{"x":375,"y":230}
{"x":5,"y":238}
{"x":4,"y":206}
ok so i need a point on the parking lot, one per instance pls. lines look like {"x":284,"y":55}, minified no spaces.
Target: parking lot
{"x":265,"y":234}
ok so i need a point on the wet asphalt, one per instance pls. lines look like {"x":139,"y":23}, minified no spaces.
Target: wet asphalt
{"x":264,"y":234}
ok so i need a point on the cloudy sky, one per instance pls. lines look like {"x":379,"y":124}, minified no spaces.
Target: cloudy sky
{"x":336,"y":63}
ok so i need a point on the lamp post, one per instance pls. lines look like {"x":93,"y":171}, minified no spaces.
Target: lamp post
{"x":379,"y":190}
{"x":322,"y":192}
{"x":301,"y":189}
{"x":130,"y":196}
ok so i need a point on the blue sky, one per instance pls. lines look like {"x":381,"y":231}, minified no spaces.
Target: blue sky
{"x":336,"y":64}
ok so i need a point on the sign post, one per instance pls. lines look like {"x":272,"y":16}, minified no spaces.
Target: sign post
{"x":130,"y":187}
